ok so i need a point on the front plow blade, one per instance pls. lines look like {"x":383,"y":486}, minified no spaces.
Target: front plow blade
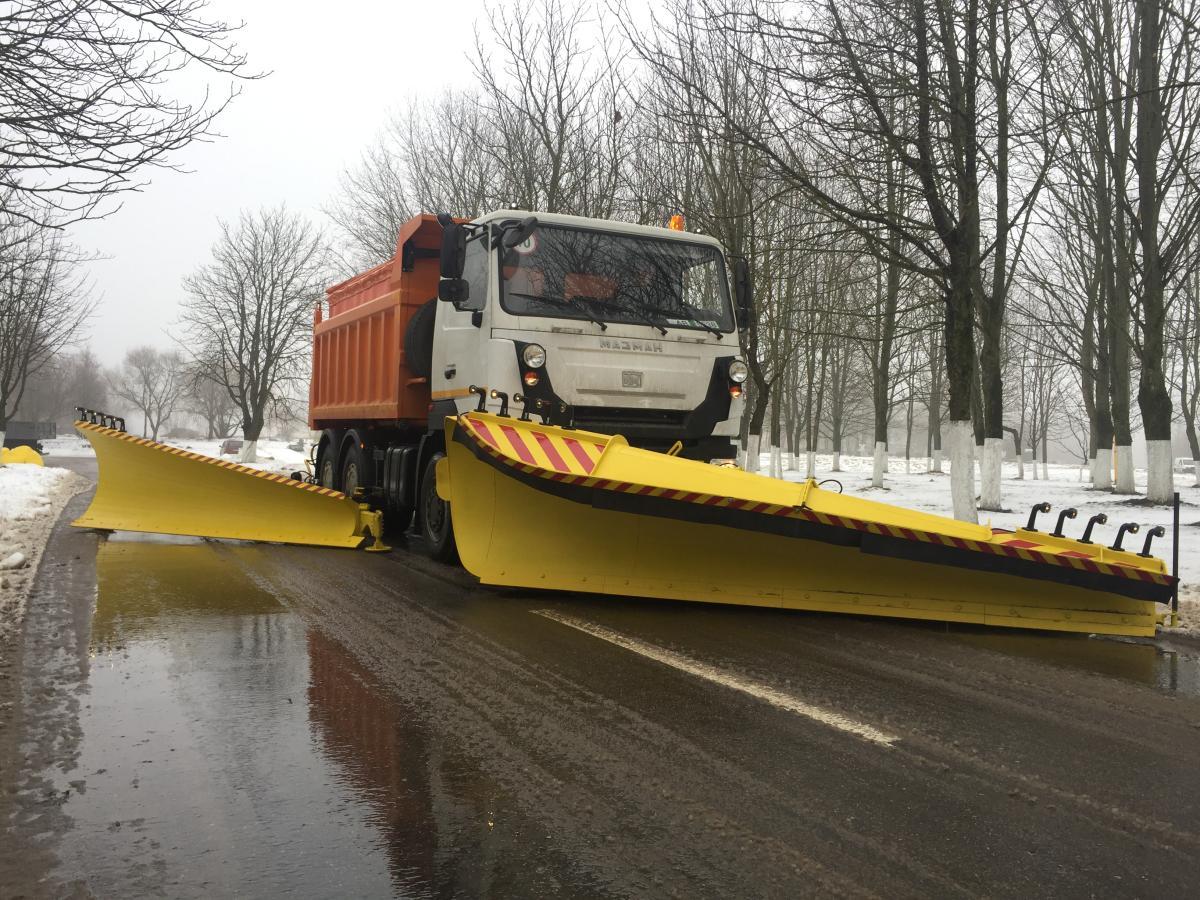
{"x":153,"y":487}
{"x":538,"y":506}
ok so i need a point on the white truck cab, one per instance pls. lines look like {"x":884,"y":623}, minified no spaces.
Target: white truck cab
{"x":594,"y":324}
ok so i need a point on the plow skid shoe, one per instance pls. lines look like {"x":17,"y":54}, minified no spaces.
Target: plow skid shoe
{"x":545,"y":507}
{"x":153,"y":487}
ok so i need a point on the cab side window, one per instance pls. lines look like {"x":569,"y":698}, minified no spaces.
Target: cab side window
{"x":475,"y":271}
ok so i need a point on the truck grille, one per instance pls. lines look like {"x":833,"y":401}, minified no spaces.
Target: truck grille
{"x":606,"y":420}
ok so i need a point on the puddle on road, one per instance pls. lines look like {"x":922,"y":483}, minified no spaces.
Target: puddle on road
{"x":229,"y":749}
{"x":1163,"y":665}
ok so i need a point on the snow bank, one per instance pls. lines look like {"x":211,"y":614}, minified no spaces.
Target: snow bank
{"x":31,"y":497}
{"x":930,"y":492}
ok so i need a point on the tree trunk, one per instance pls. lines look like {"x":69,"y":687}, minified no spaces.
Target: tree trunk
{"x":251,"y":429}
{"x":1016,"y":436}
{"x":1153,"y":398}
{"x":960,"y":376}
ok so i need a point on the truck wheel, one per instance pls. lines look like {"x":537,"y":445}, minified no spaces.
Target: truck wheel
{"x":325,"y":467}
{"x":436,"y":524}
{"x":353,"y":472}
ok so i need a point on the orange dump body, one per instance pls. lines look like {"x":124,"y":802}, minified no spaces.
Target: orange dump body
{"x":359,"y":371}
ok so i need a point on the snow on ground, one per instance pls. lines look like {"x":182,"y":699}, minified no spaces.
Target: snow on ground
{"x":930,"y":492}
{"x":273,"y":456}
{"x":70,"y":446}
{"x":31,"y":497}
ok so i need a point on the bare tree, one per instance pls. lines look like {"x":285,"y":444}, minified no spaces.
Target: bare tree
{"x":251,"y":309}
{"x":44,"y":302}
{"x":1185,"y":333}
{"x":432,"y":156}
{"x":153,"y":383}
{"x":553,"y":101}
{"x":1166,"y":219}
{"x":716,"y":179}
{"x":70,"y":379}
{"x":205,"y":396}
{"x":83,"y":104}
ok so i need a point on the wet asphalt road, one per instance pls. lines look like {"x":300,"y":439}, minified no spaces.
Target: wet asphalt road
{"x":195,"y":719}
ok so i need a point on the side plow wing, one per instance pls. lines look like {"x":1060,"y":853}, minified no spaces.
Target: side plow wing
{"x":153,"y":487}
{"x":538,"y":506}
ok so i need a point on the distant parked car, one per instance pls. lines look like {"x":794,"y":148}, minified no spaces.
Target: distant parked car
{"x":231,"y":446}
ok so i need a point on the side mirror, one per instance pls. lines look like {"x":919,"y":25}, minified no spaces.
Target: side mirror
{"x":454,"y":290}
{"x":743,"y":290}
{"x":454,"y":250}
{"x":519,"y":233}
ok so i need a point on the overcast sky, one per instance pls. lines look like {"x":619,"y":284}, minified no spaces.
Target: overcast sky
{"x":336,"y":70}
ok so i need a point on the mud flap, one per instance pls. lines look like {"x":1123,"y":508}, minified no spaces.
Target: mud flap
{"x":148,"y":486}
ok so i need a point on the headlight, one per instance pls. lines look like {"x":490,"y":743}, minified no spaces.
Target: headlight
{"x":534,"y":356}
{"x":738,"y":371}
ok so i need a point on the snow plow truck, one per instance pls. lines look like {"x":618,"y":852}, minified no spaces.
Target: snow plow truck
{"x":544,"y":396}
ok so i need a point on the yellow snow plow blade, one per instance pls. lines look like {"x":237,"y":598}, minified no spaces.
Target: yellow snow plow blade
{"x":545,"y":507}
{"x":148,"y":486}
{"x":20,"y":456}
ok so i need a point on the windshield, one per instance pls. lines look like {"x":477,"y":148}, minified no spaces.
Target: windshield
{"x":603,"y":277}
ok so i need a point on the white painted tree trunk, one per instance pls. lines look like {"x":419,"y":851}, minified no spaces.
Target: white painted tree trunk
{"x":753,"y":463}
{"x":1160,"y":482}
{"x":937,"y":461}
{"x":837,"y":461}
{"x":880,"y":467}
{"x":811,"y":463}
{"x":907,"y":465}
{"x":961,"y":439}
{"x":1196,"y":471}
{"x":775,"y":461}
{"x":1102,"y":470}
{"x":990,"y":467}
{"x":2,"y":434}
{"x":1033,"y":468}
{"x":249,"y":452}
{"x":793,"y":462}
{"x":1045,"y":470}
{"x":1021,"y":467}
{"x":1125,"y":483}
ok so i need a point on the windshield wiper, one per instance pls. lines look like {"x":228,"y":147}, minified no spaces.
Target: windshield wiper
{"x":711,"y":329}
{"x":638,"y":318}
{"x":562,"y":304}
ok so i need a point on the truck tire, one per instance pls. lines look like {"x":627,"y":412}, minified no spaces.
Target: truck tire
{"x":437,"y":526}
{"x":354,"y":471}
{"x":418,"y":340}
{"x":327,"y":466}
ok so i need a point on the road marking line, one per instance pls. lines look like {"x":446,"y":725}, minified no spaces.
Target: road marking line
{"x":711,"y":673}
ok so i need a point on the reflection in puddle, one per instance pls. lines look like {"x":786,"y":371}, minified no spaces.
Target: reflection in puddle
{"x":1160,"y":664}
{"x":228,"y":749}
{"x":198,"y":774}
{"x":438,"y":811}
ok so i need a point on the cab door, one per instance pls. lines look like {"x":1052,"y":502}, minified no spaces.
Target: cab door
{"x":459,"y":357}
